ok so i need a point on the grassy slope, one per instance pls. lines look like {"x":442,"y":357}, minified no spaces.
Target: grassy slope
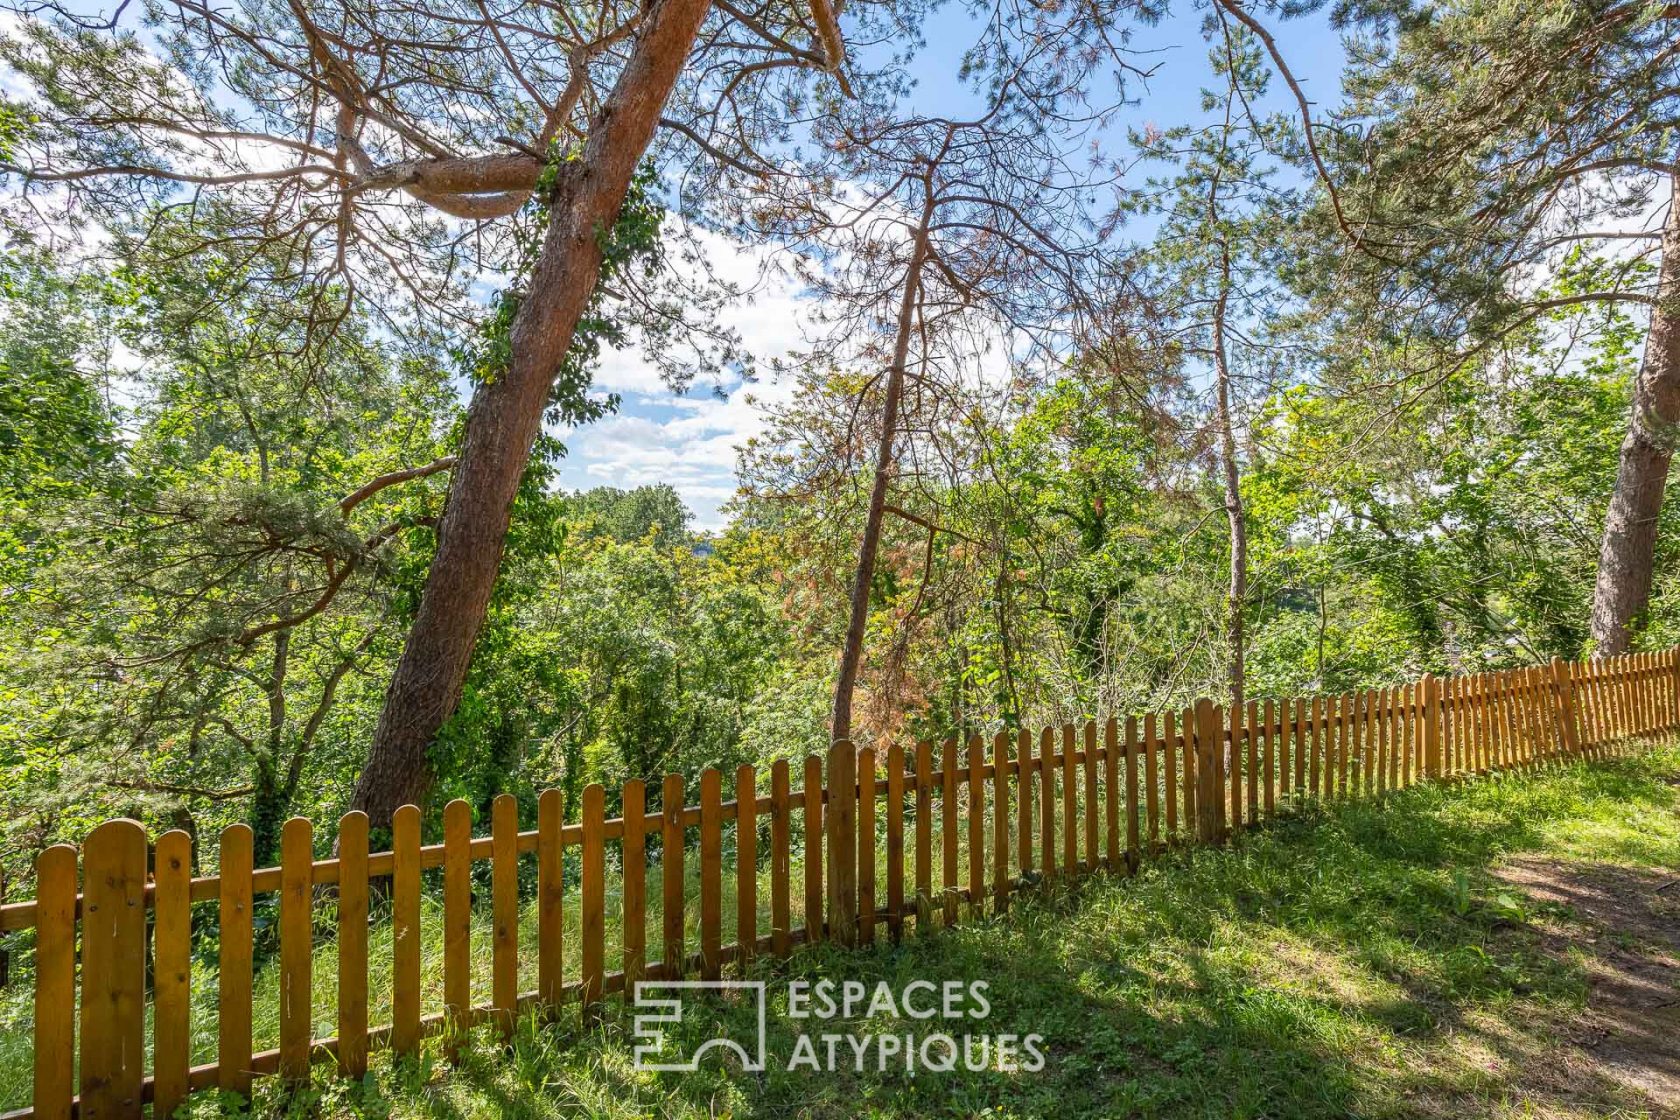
{"x":1354,"y":962}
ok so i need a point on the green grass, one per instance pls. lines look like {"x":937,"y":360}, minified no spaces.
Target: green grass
{"x":1355,"y":961}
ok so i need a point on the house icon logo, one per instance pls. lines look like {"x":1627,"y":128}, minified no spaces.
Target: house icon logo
{"x":659,"y":1005}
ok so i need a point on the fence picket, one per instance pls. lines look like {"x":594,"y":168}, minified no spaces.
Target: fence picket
{"x":1251,"y":779}
{"x":352,"y":944}
{"x":865,"y":859}
{"x":405,"y":929}
{"x":840,"y":821}
{"x":1169,"y":756}
{"x":671,"y":877}
{"x":633,"y":887}
{"x":296,"y":947}
{"x":592,"y":892}
{"x":1093,"y":858}
{"x":1023,"y":800}
{"x":55,"y":982}
{"x":711,"y":874}
{"x":1046,"y":769}
{"x":1000,"y":822}
{"x":551,"y":892}
{"x":1113,"y":805}
{"x":1133,"y":840}
{"x":1231,"y":762}
{"x":233,"y":970}
{"x":113,"y":970}
{"x":1315,"y":731}
{"x":504,"y":911}
{"x":813,"y":849}
{"x":746,"y":862}
{"x":1344,"y":728}
{"x":781,"y":859}
{"x":1151,"y":777}
{"x":1192,"y":780}
{"x":924,"y":833}
{"x":976,"y":825}
{"x":948,"y":830}
{"x":1070,"y":802}
{"x":172,"y":971}
{"x":457,"y":920}
{"x":1210,"y":744}
{"x":1288,"y":749}
{"x":895,"y":840}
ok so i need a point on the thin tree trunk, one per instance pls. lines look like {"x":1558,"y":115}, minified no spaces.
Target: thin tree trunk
{"x":506,"y":415}
{"x":851,"y":655}
{"x":1628,"y":550}
{"x":1237,"y":593}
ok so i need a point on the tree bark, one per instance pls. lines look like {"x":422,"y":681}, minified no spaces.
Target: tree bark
{"x":1237,"y":593}
{"x":506,"y":415}
{"x":1628,"y":549}
{"x":851,"y":655}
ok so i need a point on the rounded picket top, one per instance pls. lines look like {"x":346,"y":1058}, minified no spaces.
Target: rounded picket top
{"x":177,"y":842}
{"x":298,"y":837}
{"x":58,"y":862}
{"x":236,"y":834}
{"x":408,"y":815}
{"x":115,"y":835}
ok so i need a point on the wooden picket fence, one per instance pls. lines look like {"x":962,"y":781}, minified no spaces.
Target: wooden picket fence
{"x":1127,"y":787}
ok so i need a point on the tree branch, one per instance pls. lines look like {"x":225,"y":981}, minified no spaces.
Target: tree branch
{"x":367,"y":491}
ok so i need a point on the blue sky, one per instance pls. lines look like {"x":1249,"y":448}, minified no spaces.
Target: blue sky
{"x":689,"y":441}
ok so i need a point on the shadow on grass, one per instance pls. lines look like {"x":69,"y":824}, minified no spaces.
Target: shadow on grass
{"x":1350,"y":960}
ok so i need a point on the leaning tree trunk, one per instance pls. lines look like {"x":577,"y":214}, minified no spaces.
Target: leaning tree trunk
{"x":1237,"y":592}
{"x":506,"y":415}
{"x":1628,"y":549}
{"x":851,"y":655}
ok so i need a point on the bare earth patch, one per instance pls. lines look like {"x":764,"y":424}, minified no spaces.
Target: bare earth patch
{"x":1626,"y":935}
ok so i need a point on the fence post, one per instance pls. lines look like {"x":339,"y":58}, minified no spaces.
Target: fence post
{"x":1210,"y":750}
{"x":842,"y":843}
{"x":1430,"y":701}
{"x":1565,"y":685}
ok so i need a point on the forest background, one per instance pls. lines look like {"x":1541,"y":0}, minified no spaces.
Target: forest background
{"x":1108,"y":369}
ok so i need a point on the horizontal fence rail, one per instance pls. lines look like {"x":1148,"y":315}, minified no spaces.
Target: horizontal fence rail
{"x":869,"y":830}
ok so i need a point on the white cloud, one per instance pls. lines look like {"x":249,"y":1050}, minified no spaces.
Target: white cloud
{"x":690,"y":441}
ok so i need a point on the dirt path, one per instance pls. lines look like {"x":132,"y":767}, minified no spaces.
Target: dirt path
{"x":1626,"y":934}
